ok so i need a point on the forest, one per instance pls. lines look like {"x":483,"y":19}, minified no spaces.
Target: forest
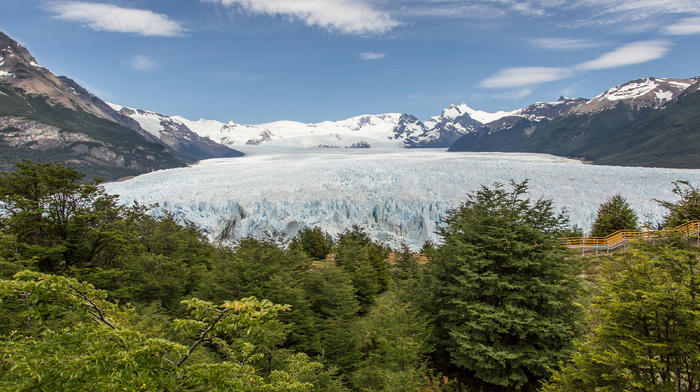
{"x":96,"y":296}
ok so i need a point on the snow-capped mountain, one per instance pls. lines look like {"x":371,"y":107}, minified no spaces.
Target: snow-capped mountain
{"x":18,"y":68}
{"x":640,"y":93}
{"x":174,"y":134}
{"x":527,"y":119}
{"x":644,"y":122}
{"x":389,"y":130}
{"x":67,"y":104}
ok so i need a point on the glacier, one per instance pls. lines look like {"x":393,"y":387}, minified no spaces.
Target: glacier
{"x":396,"y":195}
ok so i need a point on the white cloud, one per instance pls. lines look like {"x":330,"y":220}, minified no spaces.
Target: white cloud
{"x":525,"y":76}
{"x":514,"y":94}
{"x":344,"y":16}
{"x":142,"y":63}
{"x":687,"y":26}
{"x":372,"y":55}
{"x":563,"y":43}
{"x":640,"y":9}
{"x":630,"y":54}
{"x":634,"y":53}
{"x":107,"y":17}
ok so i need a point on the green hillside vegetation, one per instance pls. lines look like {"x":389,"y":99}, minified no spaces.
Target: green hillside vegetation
{"x":98,"y":296}
{"x":506,"y":140}
{"x":666,"y":138}
{"x":140,"y":155}
{"x":623,"y":136}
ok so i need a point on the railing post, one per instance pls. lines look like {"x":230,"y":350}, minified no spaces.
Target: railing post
{"x":596,"y":246}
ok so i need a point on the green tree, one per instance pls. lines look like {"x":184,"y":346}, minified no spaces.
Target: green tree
{"x":394,"y":335}
{"x":687,"y":208}
{"x":503,"y":292}
{"x":265,"y":269}
{"x":99,"y":348}
{"x":335,"y":306}
{"x":314,"y":242}
{"x":58,"y":219}
{"x":365,"y":261}
{"x":645,"y":324}
{"x":613,"y":215}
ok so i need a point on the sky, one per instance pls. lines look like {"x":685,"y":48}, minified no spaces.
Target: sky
{"x":258,"y":61}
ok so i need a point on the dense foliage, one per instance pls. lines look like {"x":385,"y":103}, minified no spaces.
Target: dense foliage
{"x":687,"y":208}
{"x":613,"y":215}
{"x":98,"y":296}
{"x":645,"y":328}
{"x":504,"y":291}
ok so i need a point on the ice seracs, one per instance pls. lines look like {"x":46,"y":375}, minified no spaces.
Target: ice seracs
{"x":397,"y":195}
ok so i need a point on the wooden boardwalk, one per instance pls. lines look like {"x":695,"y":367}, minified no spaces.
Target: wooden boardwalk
{"x":619,"y":240}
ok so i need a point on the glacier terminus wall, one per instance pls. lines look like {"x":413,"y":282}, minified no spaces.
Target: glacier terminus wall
{"x":396,"y":195}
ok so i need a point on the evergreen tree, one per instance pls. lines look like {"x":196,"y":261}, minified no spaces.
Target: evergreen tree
{"x":503,"y":292}
{"x":58,"y":219}
{"x":645,"y":324}
{"x":613,"y":215}
{"x":335,"y":306}
{"x":314,"y":242}
{"x":687,"y":208}
{"x":394,"y":336}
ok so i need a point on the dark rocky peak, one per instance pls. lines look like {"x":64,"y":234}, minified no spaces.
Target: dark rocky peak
{"x":548,"y":110}
{"x":11,"y":50}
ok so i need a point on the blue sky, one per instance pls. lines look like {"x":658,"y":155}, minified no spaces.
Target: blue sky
{"x":256,"y":61}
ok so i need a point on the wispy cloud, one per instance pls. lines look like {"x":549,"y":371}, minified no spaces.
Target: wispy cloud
{"x":142,"y":63}
{"x":372,"y":55}
{"x":634,"y":53}
{"x":563,"y":43}
{"x":344,"y":16}
{"x":514,"y":94}
{"x":641,"y":9}
{"x":630,"y":54}
{"x":687,"y":26}
{"x":525,"y":76}
{"x":107,"y":17}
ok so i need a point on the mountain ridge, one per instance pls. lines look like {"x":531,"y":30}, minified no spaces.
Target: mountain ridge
{"x":49,"y":117}
{"x":592,"y":129}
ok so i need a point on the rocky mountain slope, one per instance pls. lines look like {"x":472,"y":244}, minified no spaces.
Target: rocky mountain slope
{"x":49,"y":117}
{"x":627,"y":125}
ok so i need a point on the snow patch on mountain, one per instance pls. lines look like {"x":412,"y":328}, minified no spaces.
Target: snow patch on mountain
{"x":629,"y":90}
{"x":149,"y":121}
{"x":455,"y":111}
{"x":389,"y":130}
{"x":648,"y":92}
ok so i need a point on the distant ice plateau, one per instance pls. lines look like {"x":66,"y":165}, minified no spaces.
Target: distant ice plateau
{"x":396,"y":195}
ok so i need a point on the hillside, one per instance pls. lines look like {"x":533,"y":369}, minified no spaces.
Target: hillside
{"x":648,"y":122}
{"x":33,"y":128}
{"x":53,"y":118}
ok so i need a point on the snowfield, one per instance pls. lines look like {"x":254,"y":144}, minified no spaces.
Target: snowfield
{"x":397,"y":195}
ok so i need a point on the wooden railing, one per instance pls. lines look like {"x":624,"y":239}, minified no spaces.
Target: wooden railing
{"x":622,"y":238}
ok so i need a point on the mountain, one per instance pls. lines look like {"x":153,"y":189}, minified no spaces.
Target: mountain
{"x":52,"y":118}
{"x":389,"y":130}
{"x":512,"y":130}
{"x":626,"y":125}
{"x":183,"y":143}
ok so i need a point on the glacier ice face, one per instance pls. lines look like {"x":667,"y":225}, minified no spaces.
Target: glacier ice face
{"x":397,"y":195}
